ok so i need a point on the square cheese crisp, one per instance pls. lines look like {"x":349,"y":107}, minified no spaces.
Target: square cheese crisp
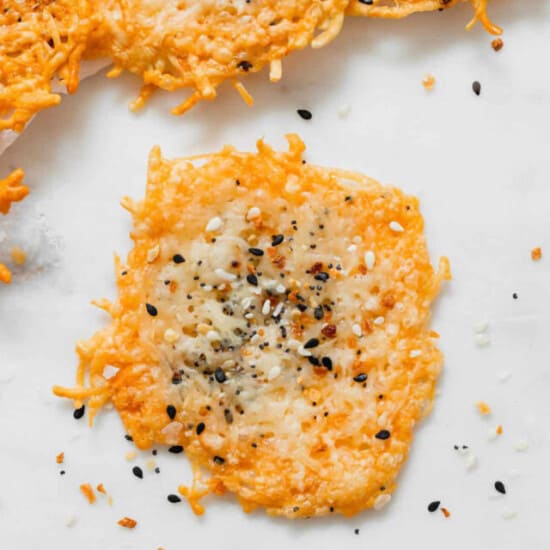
{"x":272,"y":320}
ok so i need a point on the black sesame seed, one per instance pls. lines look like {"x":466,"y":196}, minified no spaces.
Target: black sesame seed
{"x":318,"y":313}
{"x":171,"y":411}
{"x":138,"y":472}
{"x":356,"y":531}
{"x":200,"y":428}
{"x":220,"y":375}
{"x":295,"y":509}
{"x":178,"y":259}
{"x":157,"y":470}
{"x":383,"y":434}
{"x":305,"y":114}
{"x":499,"y":486}
{"x":314,"y":361}
{"x":174,"y":499}
{"x":244,"y":65}
{"x":476,"y":87}
{"x":433,"y":506}
{"x":62,"y":472}
{"x":311,"y":343}
{"x":256,"y":251}
{"x":276,"y":240}
{"x":327,"y":362}
{"x":79,"y":413}
{"x":151,"y":310}
{"x":322,"y":276}
{"x":228,"y":416}
{"x":360,"y":377}
{"x":219,"y":460}
{"x":301,"y":307}
{"x":252,"y":279}
{"x":515,"y":295}
{"x":175,"y":449}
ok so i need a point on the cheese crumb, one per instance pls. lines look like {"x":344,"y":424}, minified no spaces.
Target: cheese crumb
{"x":483,"y":408}
{"x":536,"y":254}
{"x":18,"y":255}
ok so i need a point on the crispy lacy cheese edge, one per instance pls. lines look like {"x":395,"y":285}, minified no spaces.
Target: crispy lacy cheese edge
{"x":138,"y":389}
{"x":397,"y":9}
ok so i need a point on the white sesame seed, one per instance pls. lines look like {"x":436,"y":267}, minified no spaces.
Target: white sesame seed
{"x":381,"y":501}
{"x":470,"y":461}
{"x":70,"y":520}
{"x":273,"y":372}
{"x":280,"y":289}
{"x":304,"y":352}
{"x":266,"y":307}
{"x":278,"y":309}
{"x":109,"y":371}
{"x":343,"y":110}
{"x":214,"y":224}
{"x":521,"y":445}
{"x":415,"y":353}
{"x":248,"y":315}
{"x":213,"y":336}
{"x":508,"y":514}
{"x":379,"y":320}
{"x":504,"y":376}
{"x":170,"y":336}
{"x":356,"y":329}
{"x":481,"y":326}
{"x":352,"y":248}
{"x":397,"y":227}
{"x":246,"y":302}
{"x":225,"y":275}
{"x":207,"y":288}
{"x":370,"y":259}
{"x":253,"y":213}
{"x":492,"y":433}
{"x":482,"y":339}
{"x":152,"y":254}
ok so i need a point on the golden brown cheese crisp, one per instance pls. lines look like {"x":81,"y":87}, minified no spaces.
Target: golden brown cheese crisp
{"x":199,"y":44}
{"x":39,"y":40}
{"x":272,"y":319}
{"x":396,"y":9}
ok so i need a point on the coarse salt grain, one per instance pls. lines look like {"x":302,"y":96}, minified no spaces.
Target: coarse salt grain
{"x":278,"y":309}
{"x":70,"y":520}
{"x":470,"y":461}
{"x":521,"y":445}
{"x":253,"y":213}
{"x":482,"y":340}
{"x":225,"y":275}
{"x":352,"y":248}
{"x":415,"y":353}
{"x":504,"y":376}
{"x":266,"y":307}
{"x":508,"y":514}
{"x":356,"y":329}
{"x":273,"y":372}
{"x":370,"y":259}
{"x":396,"y":227}
{"x":344,"y":110}
{"x":214,"y":224}
{"x":481,"y":326}
{"x":378,"y":321}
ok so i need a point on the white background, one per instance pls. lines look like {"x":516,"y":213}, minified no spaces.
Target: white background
{"x":481,"y":166}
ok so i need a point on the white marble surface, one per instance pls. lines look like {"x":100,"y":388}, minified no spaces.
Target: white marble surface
{"x":481,"y":166}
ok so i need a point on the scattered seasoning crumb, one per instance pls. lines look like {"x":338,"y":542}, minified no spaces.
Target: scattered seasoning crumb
{"x":138,"y":472}
{"x":79,"y":413}
{"x":150,"y":464}
{"x":130,"y":455}
{"x":428,"y":82}
{"x":173,"y":499}
{"x":87,"y":490}
{"x":521,"y":445}
{"x":445,"y":512}
{"x":497,"y":44}
{"x":101,"y":489}
{"x":60,"y":458}
{"x":499,"y":486}
{"x":476,"y":87}
{"x":127,"y":522}
{"x":305,"y":114}
{"x":18,"y":255}
{"x":483,"y":408}
{"x":536,"y":254}
{"x":499,"y":429}
{"x":433,"y":506}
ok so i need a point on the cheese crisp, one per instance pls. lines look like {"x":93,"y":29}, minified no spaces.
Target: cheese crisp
{"x":39,"y":40}
{"x":199,"y":44}
{"x":272,"y":319}
{"x":395,"y":9}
